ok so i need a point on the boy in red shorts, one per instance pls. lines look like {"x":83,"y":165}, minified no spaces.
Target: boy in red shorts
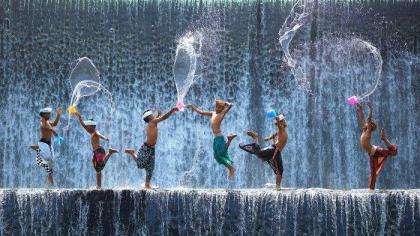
{"x":100,"y":157}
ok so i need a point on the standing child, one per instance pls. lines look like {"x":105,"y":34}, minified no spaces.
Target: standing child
{"x":220,"y":146}
{"x":145,"y":157}
{"x":100,"y":157}
{"x":377,"y":155}
{"x":44,"y":149}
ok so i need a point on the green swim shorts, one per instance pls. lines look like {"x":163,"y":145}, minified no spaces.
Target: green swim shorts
{"x":220,"y":151}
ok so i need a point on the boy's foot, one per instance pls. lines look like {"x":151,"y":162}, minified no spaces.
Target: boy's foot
{"x":112,"y":151}
{"x":231,"y":137}
{"x":231,"y":172}
{"x":151,"y":187}
{"x":34,"y":147}
{"x":130,"y":151}
{"x":252,"y":134}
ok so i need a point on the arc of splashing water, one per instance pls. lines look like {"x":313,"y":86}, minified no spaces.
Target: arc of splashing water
{"x":77,"y":94}
{"x":377,"y":56}
{"x":288,"y":31}
{"x":186,"y":52}
{"x":84,"y":70}
{"x":353,"y":100}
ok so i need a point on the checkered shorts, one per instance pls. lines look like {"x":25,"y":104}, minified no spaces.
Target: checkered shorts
{"x":146,"y":159}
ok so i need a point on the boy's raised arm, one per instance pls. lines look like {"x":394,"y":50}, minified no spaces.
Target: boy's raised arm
{"x":166,"y":115}
{"x":57,"y":118}
{"x":384,"y":138}
{"x":199,"y":111}
{"x":266,"y":139}
{"x":370,"y":112}
{"x":79,"y":117}
{"x":101,"y":136}
{"x":228,"y":106}
{"x":360,"y":115}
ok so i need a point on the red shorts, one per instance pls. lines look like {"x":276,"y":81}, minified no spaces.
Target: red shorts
{"x":378,"y":157}
{"x":98,"y":159}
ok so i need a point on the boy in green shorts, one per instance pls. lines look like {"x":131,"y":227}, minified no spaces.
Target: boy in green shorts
{"x":220,"y":146}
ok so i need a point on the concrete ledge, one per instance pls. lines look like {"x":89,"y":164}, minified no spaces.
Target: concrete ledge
{"x":209,"y":212}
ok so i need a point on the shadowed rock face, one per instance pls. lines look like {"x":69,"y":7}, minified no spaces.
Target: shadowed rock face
{"x":209,"y":212}
{"x":133,"y":44}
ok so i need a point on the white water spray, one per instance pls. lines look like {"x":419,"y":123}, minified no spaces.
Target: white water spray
{"x":298,"y":16}
{"x":188,"y":52}
{"x":85,"y":82}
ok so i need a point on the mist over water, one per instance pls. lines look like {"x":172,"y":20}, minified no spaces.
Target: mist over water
{"x":133,"y":44}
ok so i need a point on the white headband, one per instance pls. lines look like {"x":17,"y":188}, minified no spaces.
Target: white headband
{"x":146,"y":114}
{"x":89,"y":122}
{"x":281,"y":117}
{"x":45,"y":110}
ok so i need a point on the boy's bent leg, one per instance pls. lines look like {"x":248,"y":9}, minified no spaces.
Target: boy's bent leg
{"x":230,"y":137}
{"x":41,"y":162}
{"x":252,"y":148}
{"x":132,"y":153}
{"x":253,"y":135}
{"x":110,"y":152}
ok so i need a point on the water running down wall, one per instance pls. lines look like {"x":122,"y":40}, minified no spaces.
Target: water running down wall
{"x":133,"y":45}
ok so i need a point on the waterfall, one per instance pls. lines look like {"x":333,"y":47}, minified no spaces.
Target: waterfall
{"x":205,"y":212}
{"x":133,"y":45}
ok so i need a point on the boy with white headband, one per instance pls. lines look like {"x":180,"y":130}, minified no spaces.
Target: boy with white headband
{"x":145,"y":158}
{"x":100,"y":158}
{"x":44,"y":149}
{"x":220,"y":146}
{"x":272,"y":153}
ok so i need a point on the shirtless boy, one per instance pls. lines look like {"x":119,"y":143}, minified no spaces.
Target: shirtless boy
{"x":145,"y":157}
{"x":100,"y":157}
{"x":271,"y":154}
{"x":377,"y":155}
{"x":220,"y":146}
{"x":44,"y":149}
